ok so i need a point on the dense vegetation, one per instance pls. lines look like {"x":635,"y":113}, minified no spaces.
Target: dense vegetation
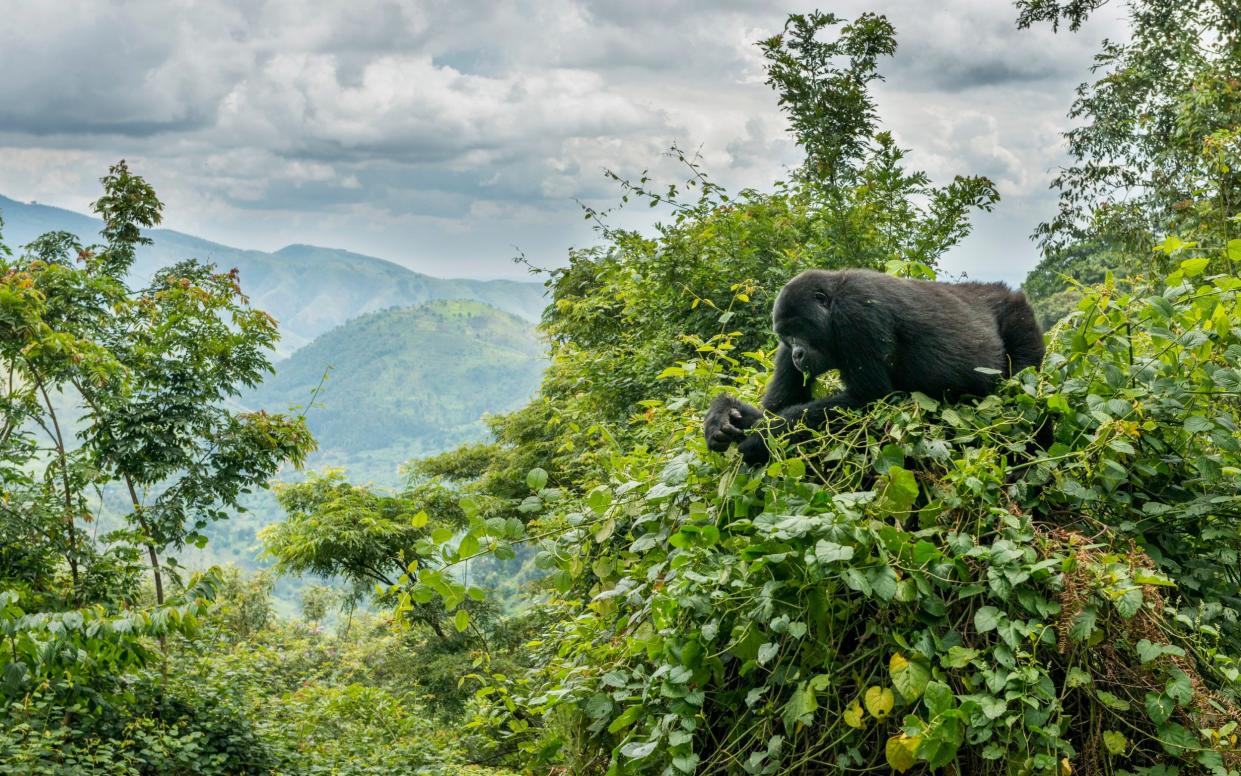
{"x":920,"y":587}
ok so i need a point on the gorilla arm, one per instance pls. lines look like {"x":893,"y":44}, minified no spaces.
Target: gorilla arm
{"x":864,"y":369}
{"x":728,"y":418}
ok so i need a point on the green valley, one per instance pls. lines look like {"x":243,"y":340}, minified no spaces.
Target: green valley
{"x":405,"y":382}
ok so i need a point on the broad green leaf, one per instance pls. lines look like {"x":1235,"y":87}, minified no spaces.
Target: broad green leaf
{"x":599,"y":500}
{"x":767,"y":651}
{"x":1114,"y":741}
{"x":1158,"y":707}
{"x":468,"y":546}
{"x":599,"y":706}
{"x":830,"y":552}
{"x":1194,"y":267}
{"x":1111,"y":701}
{"x":993,"y":708}
{"x":636,"y":750}
{"x":795,"y":468}
{"x":856,"y":580}
{"x":536,"y":479}
{"x":801,"y":707}
{"x":1129,"y":602}
{"x":924,"y":401}
{"x":1176,"y":738}
{"x":1173,"y":244}
{"x":1083,"y":625}
{"x":898,"y":489}
{"x":1148,"y":651}
{"x":958,"y":657}
{"x":1076,"y":677}
{"x":1179,"y":687}
{"x":626,"y":718}
{"x":938,"y":698}
{"x":986,"y":619}
{"x":883,"y":582}
{"x":908,"y":677}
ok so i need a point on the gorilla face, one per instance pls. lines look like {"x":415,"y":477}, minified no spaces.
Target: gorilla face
{"x":800,"y":318}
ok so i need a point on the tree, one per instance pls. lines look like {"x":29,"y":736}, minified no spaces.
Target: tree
{"x":1156,"y":149}
{"x":130,"y":386}
{"x":374,"y":541}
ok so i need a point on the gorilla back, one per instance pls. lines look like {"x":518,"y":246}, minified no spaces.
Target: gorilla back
{"x":926,"y":336}
{"x":885,"y":334}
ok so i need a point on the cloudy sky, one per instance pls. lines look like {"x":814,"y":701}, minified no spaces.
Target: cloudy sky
{"x":441,"y":135}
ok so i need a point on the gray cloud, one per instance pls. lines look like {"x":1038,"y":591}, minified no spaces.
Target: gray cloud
{"x":441,"y":133}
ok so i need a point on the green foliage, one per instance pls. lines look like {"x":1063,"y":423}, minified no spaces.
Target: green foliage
{"x":244,"y":607}
{"x":1155,"y":151}
{"x":148,"y":373}
{"x":831,"y":111}
{"x":318,"y":602}
{"x":1055,"y":12}
{"x":77,"y":695}
{"x":377,"y":541}
{"x":1054,"y":286}
{"x":81,"y":656}
{"x":118,"y":395}
{"x":1155,"y":147}
{"x":919,"y":584}
{"x":375,"y":698}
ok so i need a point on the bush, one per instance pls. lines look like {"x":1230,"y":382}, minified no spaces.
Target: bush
{"x":919,"y":584}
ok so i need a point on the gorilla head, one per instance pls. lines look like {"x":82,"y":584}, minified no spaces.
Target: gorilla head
{"x":801,"y":318}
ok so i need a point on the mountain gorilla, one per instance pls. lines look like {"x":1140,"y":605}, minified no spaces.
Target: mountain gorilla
{"x":885,"y":334}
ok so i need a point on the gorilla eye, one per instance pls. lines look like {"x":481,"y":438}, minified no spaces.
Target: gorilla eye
{"x":822,"y":297}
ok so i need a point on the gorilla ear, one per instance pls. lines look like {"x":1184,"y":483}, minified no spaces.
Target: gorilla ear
{"x":822,"y":297}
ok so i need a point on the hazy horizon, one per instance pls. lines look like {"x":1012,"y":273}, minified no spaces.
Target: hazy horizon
{"x":447,"y":141}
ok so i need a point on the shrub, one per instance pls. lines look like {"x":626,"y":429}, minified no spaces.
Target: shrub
{"x":919,"y":584}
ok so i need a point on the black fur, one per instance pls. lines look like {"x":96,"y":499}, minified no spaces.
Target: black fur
{"x":885,"y":334}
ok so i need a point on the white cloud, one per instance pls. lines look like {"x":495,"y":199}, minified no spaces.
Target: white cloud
{"x":441,"y":133}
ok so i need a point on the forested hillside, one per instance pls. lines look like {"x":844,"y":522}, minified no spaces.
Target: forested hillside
{"x":1039,"y":581}
{"x":401,"y":383}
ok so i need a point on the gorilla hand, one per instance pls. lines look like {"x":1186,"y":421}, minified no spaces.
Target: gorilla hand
{"x":727,"y":421}
{"x":754,"y":450}
{"x":784,"y":430}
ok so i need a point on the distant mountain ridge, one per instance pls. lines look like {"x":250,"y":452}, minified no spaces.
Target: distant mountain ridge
{"x":309,"y":289}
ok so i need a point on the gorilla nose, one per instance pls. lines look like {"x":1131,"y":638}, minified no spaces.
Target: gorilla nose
{"x":798,"y":354}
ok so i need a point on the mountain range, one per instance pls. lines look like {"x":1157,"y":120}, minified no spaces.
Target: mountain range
{"x":307,"y":288}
